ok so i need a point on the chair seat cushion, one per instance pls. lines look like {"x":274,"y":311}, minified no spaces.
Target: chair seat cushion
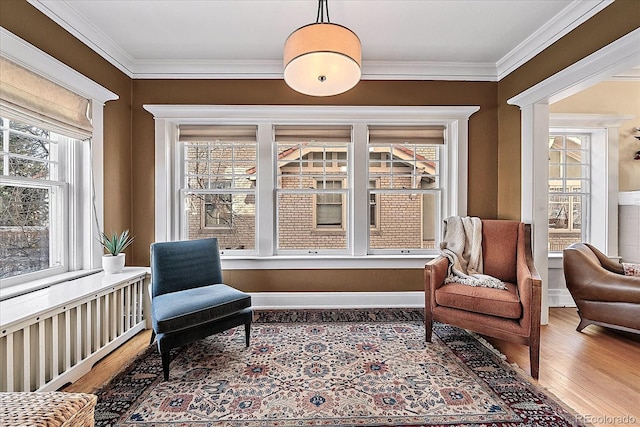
{"x":494,"y":302}
{"x":185,"y":309}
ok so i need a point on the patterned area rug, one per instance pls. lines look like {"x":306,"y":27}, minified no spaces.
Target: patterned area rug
{"x":329,"y":368}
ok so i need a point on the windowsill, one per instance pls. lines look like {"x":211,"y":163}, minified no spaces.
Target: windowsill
{"x":322,"y":262}
{"x":34,"y":285}
{"x":64,"y":292}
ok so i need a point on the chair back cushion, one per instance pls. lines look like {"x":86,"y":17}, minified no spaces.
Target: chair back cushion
{"x":187,"y":264}
{"x":499,"y":248}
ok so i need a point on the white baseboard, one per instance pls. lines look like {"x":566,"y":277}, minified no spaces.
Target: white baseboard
{"x":285,"y":300}
{"x":560,"y":298}
{"x":414,"y":299}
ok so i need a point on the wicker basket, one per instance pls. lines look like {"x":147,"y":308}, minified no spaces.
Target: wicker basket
{"x":47,"y":409}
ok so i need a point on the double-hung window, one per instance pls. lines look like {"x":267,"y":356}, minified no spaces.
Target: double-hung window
{"x":300,"y":187}
{"x":33,"y":199}
{"x":404,"y":187}
{"x":50,"y":135}
{"x":583,"y":180}
{"x":312,"y":189}
{"x":569,"y":190}
{"x":218,"y":184}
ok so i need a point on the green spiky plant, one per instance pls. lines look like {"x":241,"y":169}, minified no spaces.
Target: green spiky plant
{"x":116,"y":243}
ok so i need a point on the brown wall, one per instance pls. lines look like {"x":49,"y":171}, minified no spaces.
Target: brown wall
{"x":28,"y":23}
{"x":347,"y":280}
{"x":613,"y":22}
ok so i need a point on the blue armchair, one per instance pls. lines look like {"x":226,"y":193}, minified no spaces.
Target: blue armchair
{"x":188,"y":300}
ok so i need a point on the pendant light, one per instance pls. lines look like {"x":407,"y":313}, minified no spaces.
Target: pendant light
{"x":322,"y":59}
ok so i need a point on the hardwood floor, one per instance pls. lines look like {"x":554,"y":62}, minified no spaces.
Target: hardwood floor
{"x":596,"y":372}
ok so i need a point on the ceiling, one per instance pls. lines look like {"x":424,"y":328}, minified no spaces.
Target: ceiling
{"x":401,"y":39}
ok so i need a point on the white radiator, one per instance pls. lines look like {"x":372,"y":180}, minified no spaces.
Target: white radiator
{"x":53,"y":336}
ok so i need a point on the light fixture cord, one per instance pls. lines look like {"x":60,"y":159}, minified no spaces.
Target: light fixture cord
{"x":323,"y":7}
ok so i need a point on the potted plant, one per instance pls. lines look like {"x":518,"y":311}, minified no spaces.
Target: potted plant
{"x":114,"y":245}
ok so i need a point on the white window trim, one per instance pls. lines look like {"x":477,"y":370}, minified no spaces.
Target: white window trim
{"x":84,"y":250}
{"x":616,"y":57}
{"x":169,"y":117}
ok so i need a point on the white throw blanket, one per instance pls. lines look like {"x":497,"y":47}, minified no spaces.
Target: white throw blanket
{"x":462,"y":245}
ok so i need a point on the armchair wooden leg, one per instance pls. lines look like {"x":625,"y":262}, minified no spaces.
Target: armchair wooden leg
{"x":166,"y":359}
{"x":247,"y":333}
{"x":428,"y":325}
{"x":153,"y":336}
{"x":534,"y":359}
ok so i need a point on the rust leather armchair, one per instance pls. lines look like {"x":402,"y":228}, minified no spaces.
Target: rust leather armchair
{"x":512,"y":314}
{"x":603,"y":294}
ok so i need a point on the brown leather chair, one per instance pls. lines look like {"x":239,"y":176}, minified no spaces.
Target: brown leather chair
{"x":511,"y":315}
{"x":603,"y":294}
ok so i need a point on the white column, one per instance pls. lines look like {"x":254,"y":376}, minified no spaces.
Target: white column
{"x":534,"y":189}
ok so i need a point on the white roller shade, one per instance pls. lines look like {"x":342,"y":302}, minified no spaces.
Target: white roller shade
{"x":313,"y":133}
{"x":28,"y":97}
{"x":197,"y":133}
{"x":406,"y":134}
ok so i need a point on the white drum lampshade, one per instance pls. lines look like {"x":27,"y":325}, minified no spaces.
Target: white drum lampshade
{"x":322,"y":59}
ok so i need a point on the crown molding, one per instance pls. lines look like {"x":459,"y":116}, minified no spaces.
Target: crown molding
{"x":423,"y":70}
{"x":371,"y":70}
{"x":632,"y":75}
{"x":68,"y":18}
{"x":571,"y":16}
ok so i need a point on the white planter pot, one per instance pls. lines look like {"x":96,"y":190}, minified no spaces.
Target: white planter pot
{"x":113,"y":264}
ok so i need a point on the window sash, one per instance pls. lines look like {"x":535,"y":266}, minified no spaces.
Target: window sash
{"x":299,"y":162}
{"x":407,"y":171}
{"x":56,"y":225}
{"x":568,"y":188}
{"x":219,"y":162}
{"x":296,"y":236}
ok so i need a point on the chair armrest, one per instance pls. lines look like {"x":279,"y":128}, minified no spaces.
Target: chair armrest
{"x":587,"y":280}
{"x":435,"y":271}
{"x":529,"y":283}
{"x":605,"y":261}
{"x":526,"y":269}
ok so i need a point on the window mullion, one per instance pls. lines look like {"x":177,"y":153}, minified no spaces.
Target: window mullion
{"x":266,"y":228}
{"x":359,"y":204}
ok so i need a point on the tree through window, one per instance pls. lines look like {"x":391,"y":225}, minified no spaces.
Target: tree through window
{"x":31,"y":198}
{"x":219,"y":184}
